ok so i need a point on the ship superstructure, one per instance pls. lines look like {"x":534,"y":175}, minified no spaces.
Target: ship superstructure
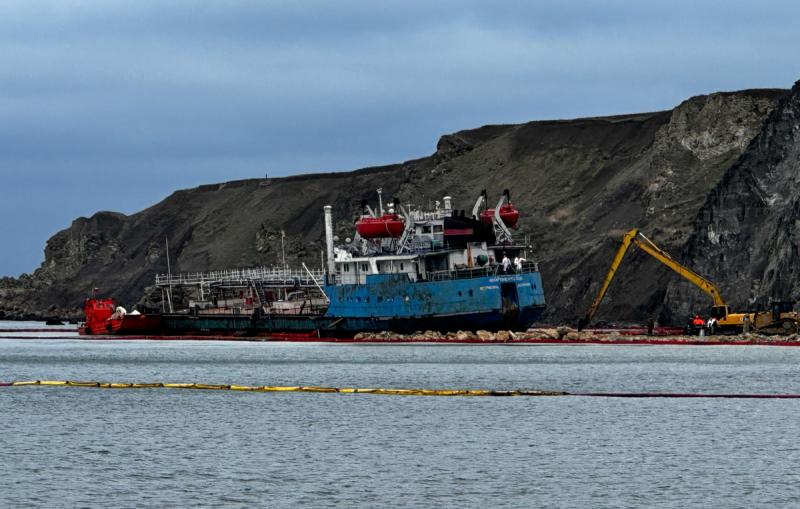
{"x":443,"y":270}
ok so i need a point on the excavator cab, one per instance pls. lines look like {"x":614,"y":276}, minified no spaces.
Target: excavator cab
{"x":719,"y":312}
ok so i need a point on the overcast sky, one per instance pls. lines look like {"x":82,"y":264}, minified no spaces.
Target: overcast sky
{"x":114,"y":105}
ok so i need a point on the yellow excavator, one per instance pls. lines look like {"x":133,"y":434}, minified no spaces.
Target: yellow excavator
{"x":781,"y":319}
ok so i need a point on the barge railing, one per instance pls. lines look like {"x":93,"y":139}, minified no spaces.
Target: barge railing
{"x":266,"y":276}
{"x":310,"y":278}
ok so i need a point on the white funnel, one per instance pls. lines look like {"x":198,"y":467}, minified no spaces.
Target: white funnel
{"x":329,"y":238}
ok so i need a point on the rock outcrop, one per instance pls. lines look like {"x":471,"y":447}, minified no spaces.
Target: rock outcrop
{"x":580,"y":184}
{"x":746,"y":235}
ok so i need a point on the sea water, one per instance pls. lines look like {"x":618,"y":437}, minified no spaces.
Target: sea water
{"x":79,"y":447}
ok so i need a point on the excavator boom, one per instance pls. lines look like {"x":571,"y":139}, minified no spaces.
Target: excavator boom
{"x":635,"y":237}
{"x":623,"y":249}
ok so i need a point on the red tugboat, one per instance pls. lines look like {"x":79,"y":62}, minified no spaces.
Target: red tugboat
{"x":104,"y":317}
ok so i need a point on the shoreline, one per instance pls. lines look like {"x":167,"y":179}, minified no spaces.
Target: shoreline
{"x":606,"y":339}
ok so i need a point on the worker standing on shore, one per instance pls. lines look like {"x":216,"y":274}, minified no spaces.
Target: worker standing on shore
{"x":711,"y":326}
{"x":697,"y":324}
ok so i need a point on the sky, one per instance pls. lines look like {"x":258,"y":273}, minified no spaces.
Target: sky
{"x":115,"y":105}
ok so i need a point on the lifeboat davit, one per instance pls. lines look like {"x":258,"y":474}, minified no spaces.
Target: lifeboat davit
{"x":388,"y":225}
{"x":508,"y":214}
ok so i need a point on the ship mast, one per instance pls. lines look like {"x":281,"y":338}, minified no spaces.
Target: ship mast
{"x":169,"y":275}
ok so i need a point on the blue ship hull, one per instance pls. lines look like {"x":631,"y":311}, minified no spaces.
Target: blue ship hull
{"x":390,"y":302}
{"x":490,"y":321}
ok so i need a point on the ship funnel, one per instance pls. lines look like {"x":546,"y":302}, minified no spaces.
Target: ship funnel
{"x":329,"y":238}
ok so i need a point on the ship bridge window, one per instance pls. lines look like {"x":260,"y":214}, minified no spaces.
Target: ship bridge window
{"x":363,"y":266}
{"x":437,"y":228}
{"x":402,"y":267}
{"x":426,"y":228}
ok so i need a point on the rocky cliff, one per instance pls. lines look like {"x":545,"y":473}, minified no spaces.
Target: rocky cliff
{"x":579,"y":183}
{"x":747,"y":233}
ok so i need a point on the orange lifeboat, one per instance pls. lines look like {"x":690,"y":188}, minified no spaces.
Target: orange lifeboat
{"x":508,"y":214}
{"x":388,"y":225}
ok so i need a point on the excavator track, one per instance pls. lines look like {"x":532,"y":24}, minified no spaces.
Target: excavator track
{"x":784,"y":327}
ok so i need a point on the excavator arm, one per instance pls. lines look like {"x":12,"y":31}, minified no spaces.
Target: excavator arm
{"x":635,"y":237}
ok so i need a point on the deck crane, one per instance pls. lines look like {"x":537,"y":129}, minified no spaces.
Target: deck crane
{"x":782,"y":320}
{"x":502,"y":233}
{"x":497,"y":217}
{"x":479,"y":203}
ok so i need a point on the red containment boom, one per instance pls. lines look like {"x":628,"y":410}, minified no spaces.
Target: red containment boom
{"x":388,"y":225}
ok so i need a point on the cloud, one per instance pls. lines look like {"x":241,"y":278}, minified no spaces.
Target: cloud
{"x":187,"y":92}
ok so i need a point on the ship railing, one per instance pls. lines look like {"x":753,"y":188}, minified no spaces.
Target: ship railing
{"x":264,"y":275}
{"x":489,"y":270}
{"x":437,"y":248}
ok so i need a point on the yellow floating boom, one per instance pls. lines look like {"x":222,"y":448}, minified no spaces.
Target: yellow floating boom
{"x":292,"y":388}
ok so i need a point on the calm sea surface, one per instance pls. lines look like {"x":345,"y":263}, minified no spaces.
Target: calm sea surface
{"x":73,"y":447}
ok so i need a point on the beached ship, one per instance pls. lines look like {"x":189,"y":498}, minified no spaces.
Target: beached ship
{"x":405,"y":270}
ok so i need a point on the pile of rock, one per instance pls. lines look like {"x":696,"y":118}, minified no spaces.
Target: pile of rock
{"x":429,"y":335}
{"x":568,"y":334}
